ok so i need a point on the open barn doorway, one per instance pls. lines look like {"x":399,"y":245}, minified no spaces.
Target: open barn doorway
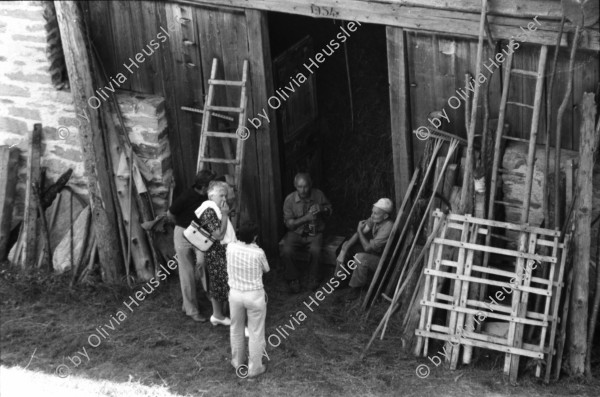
{"x":336,"y":124}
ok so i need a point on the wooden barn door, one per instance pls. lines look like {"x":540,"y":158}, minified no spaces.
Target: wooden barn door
{"x":297,"y":117}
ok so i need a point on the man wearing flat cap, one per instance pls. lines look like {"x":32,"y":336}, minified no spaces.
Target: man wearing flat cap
{"x":368,"y":243}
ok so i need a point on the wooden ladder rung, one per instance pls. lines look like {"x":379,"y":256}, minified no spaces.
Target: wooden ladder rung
{"x":506,"y":203}
{"x":224,"y":109}
{"x":523,"y":105}
{"x":227,"y":82}
{"x":525,"y":72}
{"x":194,"y":110}
{"x":505,"y":171}
{"x":514,"y":138}
{"x":220,"y":161}
{"x":214,"y":134}
{"x":502,"y":237}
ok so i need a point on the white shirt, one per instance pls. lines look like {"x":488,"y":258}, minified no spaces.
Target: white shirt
{"x":245,"y":266}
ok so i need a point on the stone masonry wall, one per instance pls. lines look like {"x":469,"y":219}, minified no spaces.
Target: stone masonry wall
{"x":27,"y":96}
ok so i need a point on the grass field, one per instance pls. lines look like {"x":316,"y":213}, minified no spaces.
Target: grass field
{"x":157,"y":351}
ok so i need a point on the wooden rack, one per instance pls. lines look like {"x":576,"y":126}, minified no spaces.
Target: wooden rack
{"x":462,"y":275}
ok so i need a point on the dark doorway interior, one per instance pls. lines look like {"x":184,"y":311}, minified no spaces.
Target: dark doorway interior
{"x":352,"y":164}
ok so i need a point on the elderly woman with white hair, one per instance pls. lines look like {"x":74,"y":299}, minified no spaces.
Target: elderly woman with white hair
{"x":214,"y":217}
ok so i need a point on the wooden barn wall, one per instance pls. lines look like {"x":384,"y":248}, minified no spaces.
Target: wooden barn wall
{"x":436,"y":67}
{"x":179,"y":70}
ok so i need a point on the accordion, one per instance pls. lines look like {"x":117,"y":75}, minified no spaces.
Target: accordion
{"x":198,"y":237}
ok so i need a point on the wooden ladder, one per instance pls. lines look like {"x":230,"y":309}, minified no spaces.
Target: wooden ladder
{"x":241,"y":133}
{"x":536,"y":108}
{"x":512,"y":360}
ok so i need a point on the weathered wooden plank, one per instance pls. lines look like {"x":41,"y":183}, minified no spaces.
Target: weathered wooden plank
{"x":182,"y":95}
{"x":416,"y":17}
{"x":169,"y":92}
{"x":124,"y":47}
{"x":267,"y":149}
{"x":140,"y":36}
{"x":29,"y":257}
{"x":578,"y":323}
{"x":96,"y":170}
{"x":531,"y":8}
{"x":150,"y":19}
{"x":100,"y":20}
{"x":9,"y":159}
{"x":399,"y":111}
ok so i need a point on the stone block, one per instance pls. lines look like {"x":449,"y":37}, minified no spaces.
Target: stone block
{"x":30,"y":38}
{"x":30,"y":78}
{"x":67,"y":153}
{"x":26,"y":113}
{"x":13,"y":90}
{"x":30,"y":14}
{"x":10,"y":124}
{"x":70,"y":136}
{"x":70,"y":122}
{"x":36,"y":28}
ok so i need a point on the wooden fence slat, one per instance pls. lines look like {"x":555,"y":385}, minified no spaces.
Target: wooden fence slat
{"x":29,"y":256}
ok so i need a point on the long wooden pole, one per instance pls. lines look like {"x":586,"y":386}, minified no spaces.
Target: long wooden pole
{"x":559,"y":117}
{"x":99,"y":182}
{"x":545,"y":187}
{"x":467,"y":185}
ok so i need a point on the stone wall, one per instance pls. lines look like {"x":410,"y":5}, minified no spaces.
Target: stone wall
{"x":28,"y":96}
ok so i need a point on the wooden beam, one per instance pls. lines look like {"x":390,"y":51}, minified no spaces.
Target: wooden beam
{"x":399,"y":111}
{"x":96,"y":169}
{"x":9,"y":162}
{"x":29,"y":257}
{"x":583,"y":218}
{"x":261,"y":78}
{"x":434,"y":16}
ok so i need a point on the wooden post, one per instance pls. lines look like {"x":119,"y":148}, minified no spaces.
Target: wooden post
{"x":9,"y":159}
{"x":96,"y":169}
{"x":399,"y":111}
{"x":583,"y":217}
{"x":29,"y":257}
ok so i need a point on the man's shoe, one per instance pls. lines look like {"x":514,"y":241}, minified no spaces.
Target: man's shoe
{"x":353,"y":294}
{"x":294,"y":286}
{"x":198,"y":318}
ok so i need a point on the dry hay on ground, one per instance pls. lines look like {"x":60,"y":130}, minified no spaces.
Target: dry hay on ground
{"x":158,"y":351}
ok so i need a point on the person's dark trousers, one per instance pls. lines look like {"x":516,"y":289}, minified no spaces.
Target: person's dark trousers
{"x":293,"y":243}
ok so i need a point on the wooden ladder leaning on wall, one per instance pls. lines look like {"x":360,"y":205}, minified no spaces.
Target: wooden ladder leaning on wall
{"x":203,"y":157}
{"x":536,"y":108}
{"x":519,"y":300}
